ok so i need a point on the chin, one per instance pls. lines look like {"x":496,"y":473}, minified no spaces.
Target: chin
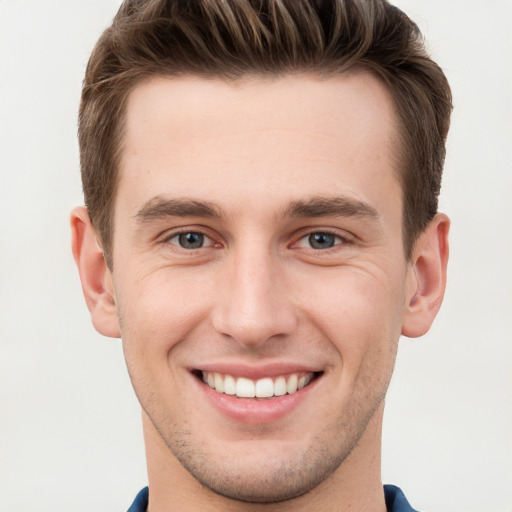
{"x":266,"y":484}
{"x":264,"y":472}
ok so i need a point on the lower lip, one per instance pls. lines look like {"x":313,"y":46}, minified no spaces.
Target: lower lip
{"x":252,"y":410}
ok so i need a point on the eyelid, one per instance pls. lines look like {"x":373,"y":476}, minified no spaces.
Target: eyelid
{"x":168,"y":235}
{"x":206,"y":239}
{"x":344,"y":240}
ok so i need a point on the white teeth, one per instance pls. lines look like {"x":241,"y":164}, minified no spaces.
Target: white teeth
{"x":229,"y":385}
{"x":304,"y":381}
{"x":291,"y":385}
{"x":219,"y":382}
{"x":280,"y":386}
{"x":262,"y":388}
{"x":245,"y":388}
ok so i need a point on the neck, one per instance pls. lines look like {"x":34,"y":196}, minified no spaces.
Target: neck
{"x":355,"y":485}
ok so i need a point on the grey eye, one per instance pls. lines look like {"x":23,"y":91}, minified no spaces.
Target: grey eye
{"x":191,"y":240}
{"x":322,"y":240}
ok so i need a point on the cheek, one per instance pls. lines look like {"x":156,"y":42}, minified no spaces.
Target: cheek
{"x":353,"y":298}
{"x":156,"y":313}
{"x":360,"y":313}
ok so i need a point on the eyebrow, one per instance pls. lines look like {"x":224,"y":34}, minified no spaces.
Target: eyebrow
{"x":161,"y":207}
{"x":331,"y":206}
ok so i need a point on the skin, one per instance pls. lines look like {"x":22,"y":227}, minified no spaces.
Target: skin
{"x":266,"y":156}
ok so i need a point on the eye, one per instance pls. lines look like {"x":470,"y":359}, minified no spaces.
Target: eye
{"x":320,"y":240}
{"x":190,"y":240}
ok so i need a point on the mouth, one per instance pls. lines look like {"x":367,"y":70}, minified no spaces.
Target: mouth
{"x":263,"y":388}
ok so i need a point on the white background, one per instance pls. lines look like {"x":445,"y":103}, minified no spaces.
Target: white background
{"x":70,"y":437}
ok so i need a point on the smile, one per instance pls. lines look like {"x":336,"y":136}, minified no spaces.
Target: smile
{"x":267,"y":387}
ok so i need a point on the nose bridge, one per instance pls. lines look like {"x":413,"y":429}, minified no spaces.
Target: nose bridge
{"x":254,"y":306}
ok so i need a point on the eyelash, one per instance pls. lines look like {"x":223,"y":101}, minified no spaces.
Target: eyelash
{"x":168,"y":239}
{"x":339,"y":240}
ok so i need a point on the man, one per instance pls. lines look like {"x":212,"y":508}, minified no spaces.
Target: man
{"x":261,"y":183}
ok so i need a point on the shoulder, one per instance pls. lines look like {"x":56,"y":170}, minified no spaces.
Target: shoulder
{"x":140,"y":504}
{"x":396,"y":500}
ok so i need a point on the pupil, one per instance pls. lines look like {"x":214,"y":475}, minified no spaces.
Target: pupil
{"x":321,"y":240}
{"x":191,"y":240}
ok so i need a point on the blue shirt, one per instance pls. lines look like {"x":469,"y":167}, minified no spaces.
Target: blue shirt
{"x":395,"y":500}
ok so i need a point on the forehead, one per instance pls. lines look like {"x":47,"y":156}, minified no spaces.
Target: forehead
{"x":202,"y":138}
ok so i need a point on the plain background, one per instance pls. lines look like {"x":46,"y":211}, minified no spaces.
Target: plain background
{"x":70,"y":436}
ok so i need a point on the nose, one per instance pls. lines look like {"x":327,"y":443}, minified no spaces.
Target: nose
{"x":254,"y":302}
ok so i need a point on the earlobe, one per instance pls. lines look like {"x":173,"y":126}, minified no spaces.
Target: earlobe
{"x":427,"y":277}
{"x":95,"y":276}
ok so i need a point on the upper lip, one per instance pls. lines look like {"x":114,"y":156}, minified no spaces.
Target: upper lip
{"x":255,"y":372}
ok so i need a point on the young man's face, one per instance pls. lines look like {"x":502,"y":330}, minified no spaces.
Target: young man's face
{"x":257,"y":245}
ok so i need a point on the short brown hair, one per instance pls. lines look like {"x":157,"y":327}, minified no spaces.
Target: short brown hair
{"x":231,"y":39}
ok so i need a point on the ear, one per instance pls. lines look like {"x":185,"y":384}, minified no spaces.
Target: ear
{"x":427,"y":277}
{"x":96,"y":278}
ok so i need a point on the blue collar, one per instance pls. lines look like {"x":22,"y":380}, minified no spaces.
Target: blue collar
{"x":395,"y":500}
